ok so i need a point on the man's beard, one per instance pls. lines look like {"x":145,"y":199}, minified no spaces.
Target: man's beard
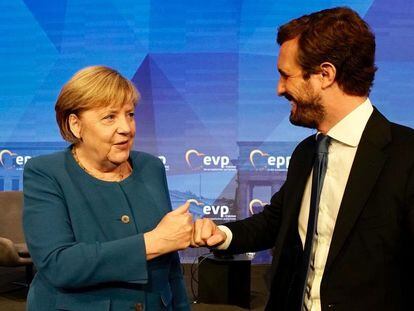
{"x":309,"y":111}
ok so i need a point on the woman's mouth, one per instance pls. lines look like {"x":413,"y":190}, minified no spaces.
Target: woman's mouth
{"x":122,"y":144}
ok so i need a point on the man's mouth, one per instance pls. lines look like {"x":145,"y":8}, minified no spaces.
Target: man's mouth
{"x":294,"y":106}
{"x":289,"y":97}
{"x":292,"y":102}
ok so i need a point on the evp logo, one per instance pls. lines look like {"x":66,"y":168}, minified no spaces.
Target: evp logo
{"x":200,"y":161}
{"x":263,"y":161}
{"x":11,"y":160}
{"x":256,"y":206}
{"x":214,"y":212}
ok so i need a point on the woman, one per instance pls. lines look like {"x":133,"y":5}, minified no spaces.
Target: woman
{"x":97,"y":216}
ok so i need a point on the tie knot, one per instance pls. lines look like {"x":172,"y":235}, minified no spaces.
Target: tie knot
{"x":322,"y":143}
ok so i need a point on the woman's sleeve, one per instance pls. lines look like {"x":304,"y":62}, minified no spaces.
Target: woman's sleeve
{"x":64,"y":262}
{"x":180,"y":299}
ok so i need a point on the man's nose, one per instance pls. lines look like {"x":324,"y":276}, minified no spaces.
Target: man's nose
{"x":281,"y":88}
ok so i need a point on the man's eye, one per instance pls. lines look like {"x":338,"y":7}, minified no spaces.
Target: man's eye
{"x":131,"y":114}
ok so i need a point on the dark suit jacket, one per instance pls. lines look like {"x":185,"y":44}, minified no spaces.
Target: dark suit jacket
{"x":87,"y":255}
{"x":370,"y":261}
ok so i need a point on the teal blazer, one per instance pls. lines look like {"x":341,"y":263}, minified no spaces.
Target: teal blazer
{"x":86,"y":239}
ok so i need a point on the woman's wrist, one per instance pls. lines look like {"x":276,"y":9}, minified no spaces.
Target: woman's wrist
{"x":153,"y":245}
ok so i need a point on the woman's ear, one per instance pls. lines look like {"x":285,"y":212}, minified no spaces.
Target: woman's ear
{"x":328,"y":74}
{"x":75,"y":126}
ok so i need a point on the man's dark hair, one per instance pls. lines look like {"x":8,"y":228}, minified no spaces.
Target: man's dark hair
{"x":338,"y":36}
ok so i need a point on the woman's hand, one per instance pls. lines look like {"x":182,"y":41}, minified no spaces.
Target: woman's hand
{"x":173,"y":232}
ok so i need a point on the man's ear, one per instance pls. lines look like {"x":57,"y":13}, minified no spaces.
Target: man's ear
{"x":328,"y":74}
{"x":75,"y":126}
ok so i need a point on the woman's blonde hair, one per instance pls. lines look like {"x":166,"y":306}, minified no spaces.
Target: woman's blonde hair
{"x":89,"y":88}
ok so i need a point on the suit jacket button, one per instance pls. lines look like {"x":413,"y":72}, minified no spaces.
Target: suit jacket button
{"x":331,"y":306}
{"x":125,"y":219}
{"x":139,"y":307}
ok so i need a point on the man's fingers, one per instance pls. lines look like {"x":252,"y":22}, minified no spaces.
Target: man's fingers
{"x":215,"y":239}
{"x":181,"y":209}
{"x":207,"y":230}
{"x":198,"y":225}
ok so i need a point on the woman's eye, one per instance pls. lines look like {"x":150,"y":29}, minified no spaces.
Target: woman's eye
{"x":131,"y":114}
{"x":109,"y":117}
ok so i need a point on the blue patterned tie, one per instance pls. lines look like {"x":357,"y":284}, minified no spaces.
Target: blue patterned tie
{"x":319,"y":170}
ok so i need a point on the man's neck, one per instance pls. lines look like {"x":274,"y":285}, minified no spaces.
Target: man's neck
{"x":338,"y":107}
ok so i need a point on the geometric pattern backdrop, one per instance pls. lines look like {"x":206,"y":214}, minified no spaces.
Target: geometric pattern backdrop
{"x":207,"y":74}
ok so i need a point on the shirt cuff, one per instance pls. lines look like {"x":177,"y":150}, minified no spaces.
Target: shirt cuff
{"x":226,"y":243}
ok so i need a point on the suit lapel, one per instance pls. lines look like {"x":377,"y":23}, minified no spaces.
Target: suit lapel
{"x":299,"y":176}
{"x":366,"y":168}
{"x":289,"y":230}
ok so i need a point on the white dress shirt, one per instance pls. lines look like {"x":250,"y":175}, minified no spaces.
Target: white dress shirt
{"x":345,"y":135}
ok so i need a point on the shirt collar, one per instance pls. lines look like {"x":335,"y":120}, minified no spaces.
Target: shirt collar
{"x":349,"y":130}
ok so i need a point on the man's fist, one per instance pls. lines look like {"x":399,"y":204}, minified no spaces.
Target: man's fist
{"x":206,"y":233}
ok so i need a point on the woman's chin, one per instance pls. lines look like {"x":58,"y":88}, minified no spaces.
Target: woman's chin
{"x":119,"y":157}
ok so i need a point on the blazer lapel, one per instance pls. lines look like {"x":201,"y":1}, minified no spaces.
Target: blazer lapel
{"x":300,"y":172}
{"x":368,"y":162}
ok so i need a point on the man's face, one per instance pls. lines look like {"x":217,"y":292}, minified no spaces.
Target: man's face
{"x":307,"y":109}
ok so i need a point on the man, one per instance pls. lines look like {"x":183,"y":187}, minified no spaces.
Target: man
{"x":357,"y":253}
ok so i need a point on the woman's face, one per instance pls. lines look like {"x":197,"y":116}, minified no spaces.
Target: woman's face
{"x":107,"y":134}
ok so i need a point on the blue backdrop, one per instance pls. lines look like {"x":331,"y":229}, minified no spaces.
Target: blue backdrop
{"x":207,"y":74}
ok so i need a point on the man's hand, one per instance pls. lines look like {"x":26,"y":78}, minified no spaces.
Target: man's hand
{"x":173,"y":232}
{"x":206,"y":233}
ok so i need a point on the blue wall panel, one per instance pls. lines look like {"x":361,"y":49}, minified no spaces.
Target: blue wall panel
{"x":207,"y":75}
